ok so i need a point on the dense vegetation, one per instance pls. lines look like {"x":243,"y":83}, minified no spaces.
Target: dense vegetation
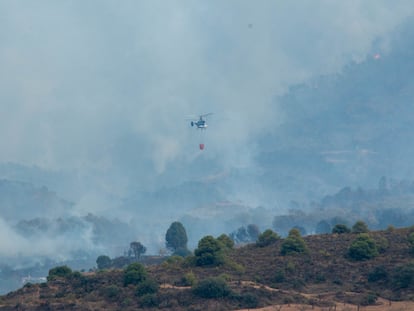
{"x":319,"y":270}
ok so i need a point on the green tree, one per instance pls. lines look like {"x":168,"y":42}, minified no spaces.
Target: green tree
{"x":212,"y":287}
{"x":360,"y":227}
{"x":267,"y":237}
{"x":60,"y":271}
{"x":293,"y":244}
{"x":135,"y":273}
{"x":363,"y":248}
{"x":209,"y":252}
{"x":137,"y":249}
{"x":103,"y":262}
{"x":340,"y":228}
{"x":226,"y":241}
{"x":176,"y":237}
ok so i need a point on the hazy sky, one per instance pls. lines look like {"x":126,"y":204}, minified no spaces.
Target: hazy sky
{"x":98,"y":85}
{"x":103,"y":88}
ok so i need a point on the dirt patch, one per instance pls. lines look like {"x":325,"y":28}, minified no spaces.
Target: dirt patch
{"x":382,"y":305}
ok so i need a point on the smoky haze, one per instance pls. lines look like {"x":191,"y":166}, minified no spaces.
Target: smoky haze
{"x":103,"y":87}
{"x":95,"y":98}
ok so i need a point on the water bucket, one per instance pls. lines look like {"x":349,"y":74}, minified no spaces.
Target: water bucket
{"x":201,"y":146}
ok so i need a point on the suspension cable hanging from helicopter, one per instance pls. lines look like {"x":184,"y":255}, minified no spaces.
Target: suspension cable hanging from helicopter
{"x":201,"y":125}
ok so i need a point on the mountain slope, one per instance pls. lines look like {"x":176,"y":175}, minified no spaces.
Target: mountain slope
{"x":256,"y":276}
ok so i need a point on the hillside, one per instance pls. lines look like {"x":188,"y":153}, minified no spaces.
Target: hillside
{"x":253,"y":276}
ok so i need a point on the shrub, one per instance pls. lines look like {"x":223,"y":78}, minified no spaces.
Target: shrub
{"x":404,"y":276}
{"x":134,"y":274}
{"x":378,"y":274}
{"x":382,"y":244}
{"x":173,"y":260}
{"x":147,"y":287}
{"x":320,"y":278}
{"x":189,"y":279}
{"x":149,"y":301}
{"x":293,"y":244}
{"x":249,"y":301}
{"x":111,"y":292}
{"x":267,"y":237}
{"x":212,"y":287}
{"x":368,"y":299}
{"x":340,"y":228}
{"x":236,"y":267}
{"x":226,"y":241}
{"x":360,"y":227}
{"x":280,"y":276}
{"x":28,"y":285}
{"x":61,"y":271}
{"x":363,"y":248}
{"x":209,"y":252}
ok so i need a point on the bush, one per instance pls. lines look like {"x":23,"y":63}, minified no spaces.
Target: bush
{"x":134,"y":274}
{"x":147,"y":287}
{"x":149,"y":301}
{"x":363,"y":248}
{"x":173,"y":260}
{"x":111,"y":292}
{"x":212,"y":287}
{"x":267,"y":237}
{"x":189,"y":279}
{"x":404,"y":276}
{"x":368,"y":299}
{"x":61,"y":271}
{"x":226,"y":241}
{"x":249,"y":301}
{"x":378,"y":274}
{"x":293,"y":244}
{"x":340,"y":228}
{"x":280,"y":276}
{"x":209,"y":252}
{"x":382,"y":244}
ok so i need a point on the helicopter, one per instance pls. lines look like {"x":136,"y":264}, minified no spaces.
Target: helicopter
{"x":201,"y":123}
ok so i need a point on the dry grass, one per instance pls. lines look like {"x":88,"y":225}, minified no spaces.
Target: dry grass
{"x":382,"y":305}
